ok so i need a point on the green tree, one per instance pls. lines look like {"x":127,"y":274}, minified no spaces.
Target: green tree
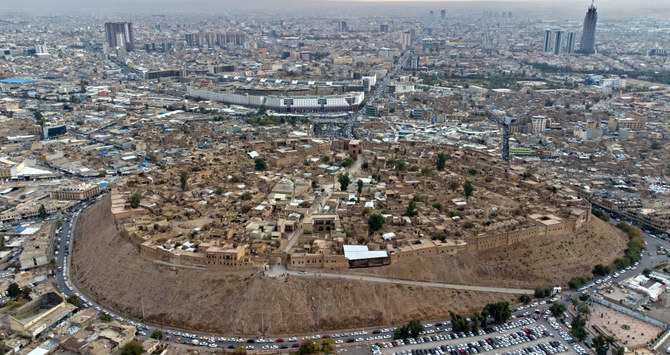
{"x":42,"y":211}
{"x":26,"y":291}
{"x":74,"y":300}
{"x":472,"y":172}
{"x":656,"y":145}
{"x":135,"y":200}
{"x":437,"y":206}
{"x":219,"y":190}
{"x":454,"y":185}
{"x":500,"y":311}
{"x":157,"y":334}
{"x":375,"y":223}
{"x":344,"y":181}
{"x":132,"y":348}
{"x":584,"y":311}
{"x":247,"y":196}
{"x":359,"y":184}
{"x":525,"y":299}
{"x":441,"y":161}
{"x":646,"y":272}
{"x":468,"y":189}
{"x":425,"y":171}
{"x":183,"y":179}
{"x":411,"y":209}
{"x":579,"y":328}
{"x":262,"y":110}
{"x":307,"y":347}
{"x":477,"y":319}
{"x":39,"y":118}
{"x":619,"y":351}
{"x":557,"y":309}
{"x":415,"y":328}
{"x":260,"y":164}
{"x":400,"y":165}
{"x":328,"y":346}
{"x":105,"y":317}
{"x":459,"y":323}
{"x":600,"y":270}
{"x":13,"y":290}
{"x":600,"y":345}
{"x":347,"y":162}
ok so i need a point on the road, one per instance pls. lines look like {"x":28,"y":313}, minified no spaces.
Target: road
{"x":411,"y":283}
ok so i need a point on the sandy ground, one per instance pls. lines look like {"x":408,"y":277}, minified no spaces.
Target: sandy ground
{"x":541,"y":262}
{"x":111,"y":270}
{"x":633,"y":332}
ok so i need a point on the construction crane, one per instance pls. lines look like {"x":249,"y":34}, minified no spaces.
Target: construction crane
{"x":501,"y":119}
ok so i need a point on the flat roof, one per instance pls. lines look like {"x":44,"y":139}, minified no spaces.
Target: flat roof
{"x":359,"y":252}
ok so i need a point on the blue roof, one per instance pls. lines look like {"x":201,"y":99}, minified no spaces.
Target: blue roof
{"x":19,"y":229}
{"x":17,"y":81}
{"x":104,"y":184}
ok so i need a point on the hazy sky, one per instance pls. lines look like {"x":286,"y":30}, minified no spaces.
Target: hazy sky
{"x":329,"y":7}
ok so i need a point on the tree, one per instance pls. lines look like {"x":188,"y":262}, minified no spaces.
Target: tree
{"x":26,"y":291}
{"x":619,"y":351}
{"x":500,"y":311}
{"x":375,"y":222}
{"x":454,"y":185}
{"x":425,"y":171}
{"x":584,"y":311}
{"x":401,"y":165}
{"x":600,"y":270}
{"x":656,"y":145}
{"x":132,"y":348}
{"x":42,"y":211}
{"x":157,"y":334}
{"x":557,"y":309}
{"x":347,"y":162}
{"x":477,"y":319}
{"x":646,"y":272}
{"x":246,"y":196}
{"x":13,"y":290}
{"x":437,"y":206}
{"x":260,"y":164}
{"x":459,"y":323}
{"x":411,"y":209}
{"x":441,"y":161}
{"x":262,"y":110}
{"x":472,"y":172}
{"x":105,"y":317}
{"x":525,"y":299}
{"x":415,"y":328}
{"x":600,"y":345}
{"x":74,"y":300}
{"x":344,"y":181}
{"x":579,"y":328}
{"x":135,"y":200}
{"x":183,"y":179}
{"x":359,"y":184}
{"x":468,"y":189}
{"x":39,"y":118}
{"x":307,"y":347}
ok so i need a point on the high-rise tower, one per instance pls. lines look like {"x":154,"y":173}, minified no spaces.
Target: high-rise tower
{"x":558,"y":42}
{"x":119,"y":34}
{"x":587,"y":44}
{"x":570,"y":47}
{"x":547,"y":41}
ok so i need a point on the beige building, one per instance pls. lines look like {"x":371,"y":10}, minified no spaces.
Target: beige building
{"x":39,"y":316}
{"x":77,"y":193}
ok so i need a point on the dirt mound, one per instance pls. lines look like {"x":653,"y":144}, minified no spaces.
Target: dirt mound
{"x":110,"y":269}
{"x":541,"y":262}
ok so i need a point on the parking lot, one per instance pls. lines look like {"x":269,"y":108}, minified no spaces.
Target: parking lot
{"x":517,"y":335}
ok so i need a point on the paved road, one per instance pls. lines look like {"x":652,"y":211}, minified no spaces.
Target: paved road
{"x":412,"y":283}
